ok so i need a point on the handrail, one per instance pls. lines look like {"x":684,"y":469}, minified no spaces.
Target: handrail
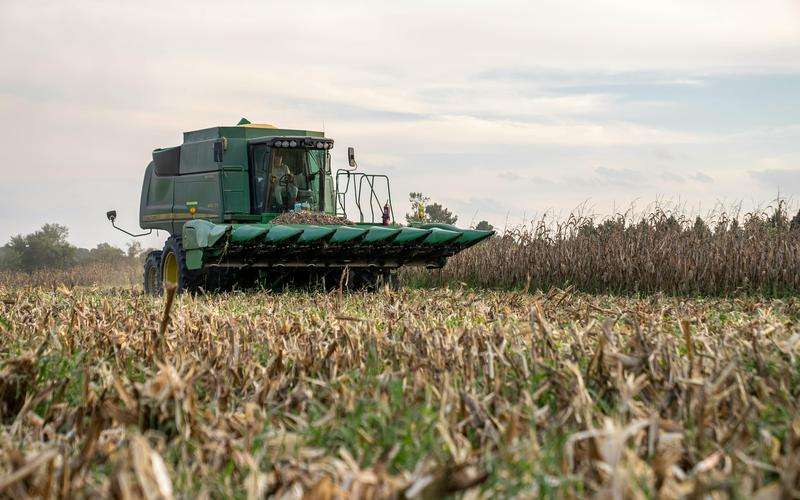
{"x":358,"y":179}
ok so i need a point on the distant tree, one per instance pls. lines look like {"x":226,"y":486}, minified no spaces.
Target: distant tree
{"x":106,"y":254}
{"x":484,"y":226}
{"x":134,"y":250}
{"x":438,"y":213}
{"x":82,"y":254}
{"x":422,"y":211}
{"x":47,"y":247}
{"x":417,"y":214}
{"x":9,"y":259}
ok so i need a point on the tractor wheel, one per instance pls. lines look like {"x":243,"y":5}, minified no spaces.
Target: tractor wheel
{"x":173,"y":268}
{"x":152,"y":273}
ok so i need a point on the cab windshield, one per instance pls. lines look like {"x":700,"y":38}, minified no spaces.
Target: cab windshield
{"x":287,"y":178}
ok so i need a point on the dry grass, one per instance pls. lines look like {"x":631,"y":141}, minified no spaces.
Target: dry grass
{"x":392,"y":394}
{"x":658,"y":252}
{"x":107,"y":275}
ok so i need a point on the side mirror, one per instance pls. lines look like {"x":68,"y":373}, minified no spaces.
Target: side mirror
{"x":112,"y":215}
{"x":351,"y":157}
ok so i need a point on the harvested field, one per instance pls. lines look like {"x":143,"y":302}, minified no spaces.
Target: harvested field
{"x":409,"y":393}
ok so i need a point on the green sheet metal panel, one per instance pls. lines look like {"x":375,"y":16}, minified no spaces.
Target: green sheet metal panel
{"x":470,"y":237}
{"x":410,"y":235}
{"x":198,"y":157}
{"x":347,"y":234}
{"x":441,"y":236}
{"x":378,"y":234}
{"x":155,"y":206}
{"x":202,"y":134}
{"x":283,"y":234}
{"x":315,"y":234}
{"x":235,"y":190}
{"x":247,"y":233}
{"x":201,"y":191}
{"x":199,"y":234}
{"x":194,"y":259}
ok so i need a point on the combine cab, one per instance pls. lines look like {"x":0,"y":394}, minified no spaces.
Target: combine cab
{"x":255,"y":203}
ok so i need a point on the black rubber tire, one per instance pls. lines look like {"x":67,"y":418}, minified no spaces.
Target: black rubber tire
{"x":152,"y":274}
{"x":187,"y":281}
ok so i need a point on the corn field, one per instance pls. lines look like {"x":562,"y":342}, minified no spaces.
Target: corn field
{"x":662,"y":251}
{"x":397,"y":394}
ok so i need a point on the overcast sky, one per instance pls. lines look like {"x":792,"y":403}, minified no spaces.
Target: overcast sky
{"x":498,"y":110}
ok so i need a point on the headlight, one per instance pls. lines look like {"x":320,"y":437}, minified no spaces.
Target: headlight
{"x":319,"y":145}
{"x":293,"y":144}
{"x":285,"y":144}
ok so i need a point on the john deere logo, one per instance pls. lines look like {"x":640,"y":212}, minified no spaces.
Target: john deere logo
{"x":192,"y":207}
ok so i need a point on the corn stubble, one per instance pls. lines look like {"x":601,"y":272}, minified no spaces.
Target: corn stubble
{"x":397,"y":394}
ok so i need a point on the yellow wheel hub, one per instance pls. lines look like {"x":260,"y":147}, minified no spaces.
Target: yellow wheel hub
{"x":171,"y":270}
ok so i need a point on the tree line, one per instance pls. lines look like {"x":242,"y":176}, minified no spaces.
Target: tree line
{"x":48,"y":248}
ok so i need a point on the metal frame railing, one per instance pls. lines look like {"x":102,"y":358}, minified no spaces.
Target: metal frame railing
{"x":357,"y":181}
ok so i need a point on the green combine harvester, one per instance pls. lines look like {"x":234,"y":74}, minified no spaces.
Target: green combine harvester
{"x":253,"y":203}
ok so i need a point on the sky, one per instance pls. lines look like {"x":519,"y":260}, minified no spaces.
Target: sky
{"x":499,"y":110}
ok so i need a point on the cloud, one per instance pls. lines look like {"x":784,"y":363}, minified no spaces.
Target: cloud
{"x":631,"y":178}
{"x":701,"y":177}
{"x":472,"y":209}
{"x":621,"y":176}
{"x":787,"y":181}
{"x":511,"y":176}
{"x":672,"y":177}
{"x":664,"y":154}
{"x":461,"y":130}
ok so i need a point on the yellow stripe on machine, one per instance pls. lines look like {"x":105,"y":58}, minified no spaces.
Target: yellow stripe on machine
{"x":163,"y":217}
